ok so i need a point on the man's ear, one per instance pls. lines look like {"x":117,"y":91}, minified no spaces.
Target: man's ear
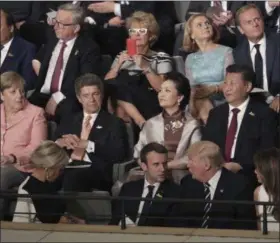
{"x":79,"y":99}
{"x":240,"y":30}
{"x":77,"y":28}
{"x":2,"y":97}
{"x":143,"y":166}
{"x":249,"y":87}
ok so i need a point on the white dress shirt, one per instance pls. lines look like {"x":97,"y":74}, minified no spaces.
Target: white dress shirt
{"x":144,"y":194}
{"x":253,"y":52}
{"x":117,"y":8}
{"x":5,"y":51}
{"x":58,"y":96}
{"x":240,"y":116}
{"x":213,"y":182}
{"x":269,"y":11}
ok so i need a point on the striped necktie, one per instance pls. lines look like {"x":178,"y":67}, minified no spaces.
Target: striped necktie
{"x":207,"y":206}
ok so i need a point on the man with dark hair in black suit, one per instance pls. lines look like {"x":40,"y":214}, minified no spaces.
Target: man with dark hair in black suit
{"x":208,"y":181}
{"x":62,"y":60}
{"x":153,"y":158}
{"x":94,"y":139}
{"x":242,"y":126}
{"x":16,"y":53}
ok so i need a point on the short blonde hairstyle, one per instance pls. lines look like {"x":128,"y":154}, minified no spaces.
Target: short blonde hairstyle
{"x":207,"y":150}
{"x":244,"y":9}
{"x":8,"y":79}
{"x":147,"y":20}
{"x":189,"y":44}
{"x":48,"y":155}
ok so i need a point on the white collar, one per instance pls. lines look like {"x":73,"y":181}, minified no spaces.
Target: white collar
{"x":241,"y":107}
{"x":8,"y":44}
{"x":69,"y":42}
{"x":213,"y":182}
{"x":261,"y":42}
{"x":93,"y":115}
{"x":146,"y":184}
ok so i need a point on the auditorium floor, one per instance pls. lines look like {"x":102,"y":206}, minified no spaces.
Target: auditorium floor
{"x":49,"y":236}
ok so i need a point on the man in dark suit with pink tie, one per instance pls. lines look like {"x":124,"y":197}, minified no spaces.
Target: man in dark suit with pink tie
{"x":242,"y":126}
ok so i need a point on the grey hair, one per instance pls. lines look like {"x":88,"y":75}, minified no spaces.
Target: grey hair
{"x":78,"y":12}
{"x":48,"y":154}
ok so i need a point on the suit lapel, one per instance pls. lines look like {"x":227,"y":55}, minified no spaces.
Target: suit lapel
{"x":270,"y":49}
{"x":223,"y":127}
{"x":98,"y":128}
{"x":77,"y":128}
{"x":247,"y":122}
{"x":133,"y":205}
{"x":247,"y":56}
{"x":10,"y":57}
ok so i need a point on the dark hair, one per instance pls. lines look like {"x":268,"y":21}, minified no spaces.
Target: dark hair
{"x":151,"y":147}
{"x":246,"y":72}
{"x":88,"y":79}
{"x":267,"y":162}
{"x":9,"y":18}
{"x":182,"y":85}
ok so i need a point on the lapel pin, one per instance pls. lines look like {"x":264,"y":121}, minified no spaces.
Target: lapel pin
{"x":222,"y":191}
{"x":76,"y":52}
{"x":10,"y":54}
{"x":252,"y":114}
{"x":159,"y":195}
{"x":98,"y":127}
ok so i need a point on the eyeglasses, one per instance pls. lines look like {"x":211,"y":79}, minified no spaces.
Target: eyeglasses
{"x":61,"y":25}
{"x":141,"y":31}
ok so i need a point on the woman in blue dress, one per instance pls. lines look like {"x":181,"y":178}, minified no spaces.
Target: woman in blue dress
{"x":206,"y":66}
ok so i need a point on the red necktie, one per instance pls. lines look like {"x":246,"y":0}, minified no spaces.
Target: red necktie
{"x":231,"y":134}
{"x":57,"y":69}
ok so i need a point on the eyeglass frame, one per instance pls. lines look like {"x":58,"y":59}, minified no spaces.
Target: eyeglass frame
{"x":61,"y":25}
{"x":137,"y":31}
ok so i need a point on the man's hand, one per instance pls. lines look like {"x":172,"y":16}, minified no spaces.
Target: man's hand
{"x":203,"y":91}
{"x":233,"y":166}
{"x":103,"y":7}
{"x":223,"y":19}
{"x":19,"y":24}
{"x":69,"y":141}
{"x":116,"y":21}
{"x":275,"y":104}
{"x":82,"y":144}
{"x":51,"y":107}
{"x":273,"y":4}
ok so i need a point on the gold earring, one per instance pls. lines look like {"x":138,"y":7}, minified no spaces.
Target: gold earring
{"x":47,"y":174}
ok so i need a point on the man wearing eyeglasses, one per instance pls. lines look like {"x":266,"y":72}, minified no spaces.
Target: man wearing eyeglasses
{"x":61,"y":61}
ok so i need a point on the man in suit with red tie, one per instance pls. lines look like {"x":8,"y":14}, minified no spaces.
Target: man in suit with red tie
{"x":241,"y":126}
{"x":209,"y":180}
{"x":62,"y":60}
{"x":93,"y":138}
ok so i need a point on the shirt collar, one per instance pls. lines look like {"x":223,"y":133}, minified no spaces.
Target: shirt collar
{"x":241,"y":107}
{"x":69,"y":42}
{"x":262,"y":42}
{"x":213,"y":182}
{"x":146,"y":184}
{"x":7,"y":45}
{"x":93,"y":115}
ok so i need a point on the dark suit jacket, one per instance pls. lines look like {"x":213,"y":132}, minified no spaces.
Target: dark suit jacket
{"x":84,"y":58}
{"x":167,"y":189}
{"x":257,"y":131}
{"x":270,"y":21}
{"x":19,"y":59}
{"x":110,"y":138}
{"x":231,"y":186}
{"x":241,"y":55}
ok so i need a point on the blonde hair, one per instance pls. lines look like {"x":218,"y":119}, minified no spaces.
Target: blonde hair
{"x":243,"y":10}
{"x":147,"y":20}
{"x":207,"y":150}
{"x":48,"y":155}
{"x":10,"y":78}
{"x":188,"y":43}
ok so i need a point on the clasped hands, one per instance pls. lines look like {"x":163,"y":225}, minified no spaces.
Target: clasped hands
{"x":138,"y":59}
{"x":72,"y":141}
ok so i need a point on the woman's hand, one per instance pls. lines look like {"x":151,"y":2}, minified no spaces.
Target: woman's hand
{"x":123,"y":58}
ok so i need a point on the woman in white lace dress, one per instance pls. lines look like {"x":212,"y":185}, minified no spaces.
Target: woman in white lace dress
{"x":267,"y":164}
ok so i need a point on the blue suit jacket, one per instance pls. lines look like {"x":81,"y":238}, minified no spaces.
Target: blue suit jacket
{"x":19,"y":59}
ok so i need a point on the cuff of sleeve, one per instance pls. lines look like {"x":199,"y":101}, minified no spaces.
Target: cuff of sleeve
{"x":117,"y":10}
{"x":268,"y":9}
{"x":58,"y":97}
{"x":90,"y":147}
{"x":90,"y":20}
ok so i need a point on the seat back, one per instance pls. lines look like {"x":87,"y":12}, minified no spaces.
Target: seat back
{"x":179,"y":64}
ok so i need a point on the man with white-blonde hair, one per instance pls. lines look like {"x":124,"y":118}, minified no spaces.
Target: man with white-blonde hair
{"x":209,"y":180}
